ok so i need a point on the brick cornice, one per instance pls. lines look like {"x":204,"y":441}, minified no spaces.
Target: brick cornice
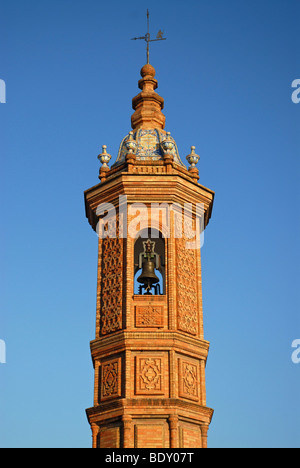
{"x":137,"y":340}
{"x":143,"y":408}
{"x":148,"y":188}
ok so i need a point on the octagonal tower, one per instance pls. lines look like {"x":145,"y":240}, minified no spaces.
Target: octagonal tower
{"x":149,"y":352}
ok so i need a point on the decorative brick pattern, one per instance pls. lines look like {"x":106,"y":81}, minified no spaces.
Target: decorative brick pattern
{"x":149,"y":316}
{"x":149,"y":375}
{"x":188,"y":380}
{"x":111,"y":379}
{"x":112,"y":278}
{"x":186,"y":288}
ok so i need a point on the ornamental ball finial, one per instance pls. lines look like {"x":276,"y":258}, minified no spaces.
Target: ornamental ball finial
{"x":168,"y":144}
{"x":193,"y":158}
{"x":148,"y":70}
{"x":131,"y":144}
{"x":104,"y":157}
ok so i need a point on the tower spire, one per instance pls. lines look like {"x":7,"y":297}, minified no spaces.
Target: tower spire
{"x":148,"y":104}
{"x":159,"y":37}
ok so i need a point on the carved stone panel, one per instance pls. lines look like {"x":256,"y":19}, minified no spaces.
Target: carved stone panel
{"x":112,"y":285}
{"x":111,"y":379}
{"x":149,"y":316}
{"x":149,"y":375}
{"x":189,"y":379}
{"x":187,"y":294}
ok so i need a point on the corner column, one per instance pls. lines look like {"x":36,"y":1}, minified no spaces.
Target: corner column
{"x":127,"y":430}
{"x":95,"y":431}
{"x":173,"y":421}
{"x":204,"y":429}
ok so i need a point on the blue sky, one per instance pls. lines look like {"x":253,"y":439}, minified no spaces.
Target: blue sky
{"x":225,"y":72}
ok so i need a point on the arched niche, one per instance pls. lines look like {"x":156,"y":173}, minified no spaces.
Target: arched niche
{"x":155,"y":236}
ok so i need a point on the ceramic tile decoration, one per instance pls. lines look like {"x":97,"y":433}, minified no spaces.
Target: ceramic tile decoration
{"x":148,"y":146}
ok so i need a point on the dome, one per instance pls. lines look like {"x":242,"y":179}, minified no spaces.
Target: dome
{"x":150,"y":146}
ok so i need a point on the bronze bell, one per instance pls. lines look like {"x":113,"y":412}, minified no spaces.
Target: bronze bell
{"x":148,"y":276}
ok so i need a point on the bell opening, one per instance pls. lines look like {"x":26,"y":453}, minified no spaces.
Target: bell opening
{"x":149,"y":264}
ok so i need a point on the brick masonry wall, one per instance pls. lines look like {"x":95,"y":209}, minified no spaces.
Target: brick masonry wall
{"x":149,"y":353}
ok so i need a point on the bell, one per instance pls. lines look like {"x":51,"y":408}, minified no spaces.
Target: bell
{"x":148,"y":276}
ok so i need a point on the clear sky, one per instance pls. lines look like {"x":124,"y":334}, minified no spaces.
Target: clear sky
{"x":225,"y":72}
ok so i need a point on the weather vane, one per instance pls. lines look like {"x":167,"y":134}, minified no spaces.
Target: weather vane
{"x":159,"y":37}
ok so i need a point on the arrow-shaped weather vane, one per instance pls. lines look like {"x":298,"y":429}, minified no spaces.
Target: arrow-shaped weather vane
{"x":159,"y":37}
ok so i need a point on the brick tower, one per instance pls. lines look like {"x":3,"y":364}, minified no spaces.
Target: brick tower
{"x":149,"y":353}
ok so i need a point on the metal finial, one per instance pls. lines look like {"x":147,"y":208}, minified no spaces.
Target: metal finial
{"x":159,"y":37}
